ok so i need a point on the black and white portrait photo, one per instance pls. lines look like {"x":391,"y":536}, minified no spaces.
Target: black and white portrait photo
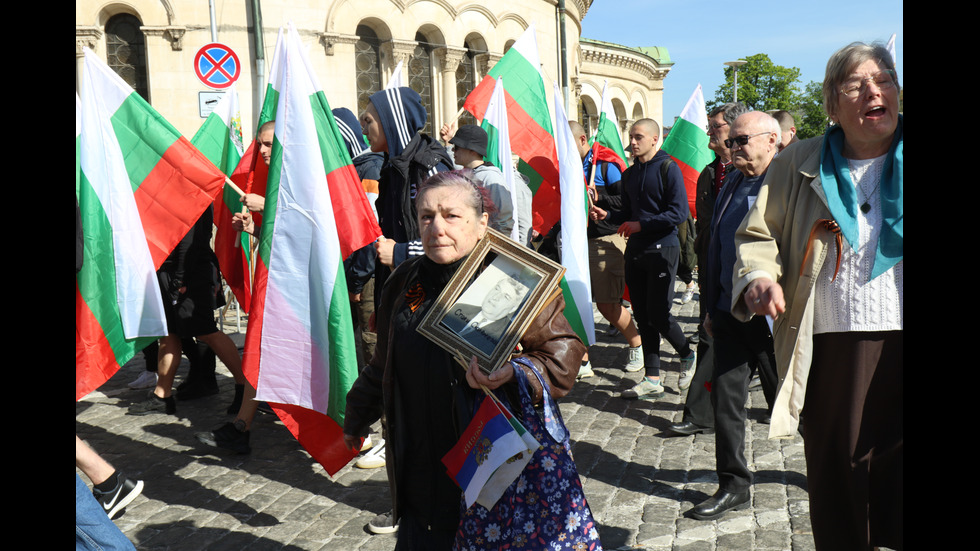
{"x":486,"y":308}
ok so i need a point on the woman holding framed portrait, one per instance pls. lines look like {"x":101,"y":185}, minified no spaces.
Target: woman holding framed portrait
{"x":425,"y":395}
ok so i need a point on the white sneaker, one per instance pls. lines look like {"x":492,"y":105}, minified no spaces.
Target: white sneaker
{"x":688,"y":294}
{"x":585,"y":371}
{"x":636,"y":359}
{"x":646,"y":389}
{"x":367,"y":444}
{"x":382,"y":524}
{"x":373,"y":459}
{"x":684,"y":382}
{"x":688,"y":366}
{"x":147,"y":379}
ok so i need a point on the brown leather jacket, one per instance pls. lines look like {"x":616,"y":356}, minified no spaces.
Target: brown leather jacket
{"x":549,"y":343}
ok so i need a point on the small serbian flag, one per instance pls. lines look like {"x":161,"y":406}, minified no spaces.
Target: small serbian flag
{"x":488,"y":443}
{"x":507,"y":473}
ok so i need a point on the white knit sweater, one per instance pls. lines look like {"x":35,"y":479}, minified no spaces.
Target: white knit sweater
{"x":851,"y":302}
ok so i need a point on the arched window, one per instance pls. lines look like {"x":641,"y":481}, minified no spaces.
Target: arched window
{"x":367,"y":65}
{"x":126,"y":51}
{"x":588,"y":115}
{"x":465,"y":82}
{"x":420,"y":77}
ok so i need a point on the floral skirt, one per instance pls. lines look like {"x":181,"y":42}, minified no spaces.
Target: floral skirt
{"x":545,"y":507}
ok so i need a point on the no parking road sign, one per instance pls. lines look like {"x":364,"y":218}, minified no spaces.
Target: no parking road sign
{"x":217,"y":65}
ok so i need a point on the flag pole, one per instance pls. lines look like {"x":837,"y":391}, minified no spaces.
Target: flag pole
{"x":232,"y":185}
{"x":240,"y":193}
{"x":458,"y":115}
{"x":452,"y":123}
{"x":590,"y":188}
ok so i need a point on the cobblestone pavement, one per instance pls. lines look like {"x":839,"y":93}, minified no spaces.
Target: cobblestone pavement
{"x":638,"y":482}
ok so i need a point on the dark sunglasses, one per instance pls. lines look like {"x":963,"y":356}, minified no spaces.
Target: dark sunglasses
{"x":741,"y":140}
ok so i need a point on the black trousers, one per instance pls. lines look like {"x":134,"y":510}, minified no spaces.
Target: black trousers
{"x":739,"y":349}
{"x":650,"y":274}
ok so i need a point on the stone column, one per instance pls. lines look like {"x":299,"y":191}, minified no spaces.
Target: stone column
{"x":448,"y":59}
{"x":395,"y":51}
{"x":90,"y":37}
{"x":485,"y":62}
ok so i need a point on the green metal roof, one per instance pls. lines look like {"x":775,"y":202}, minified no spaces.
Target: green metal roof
{"x":658,"y":54}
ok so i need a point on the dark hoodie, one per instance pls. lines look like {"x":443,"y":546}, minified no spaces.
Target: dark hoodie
{"x":659,"y":206}
{"x":411,"y":158}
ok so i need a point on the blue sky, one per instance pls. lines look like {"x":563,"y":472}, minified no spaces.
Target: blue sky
{"x":701,"y":35}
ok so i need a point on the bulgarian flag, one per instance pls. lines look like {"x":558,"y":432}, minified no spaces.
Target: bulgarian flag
{"x":140,"y":189}
{"x":531,"y":135}
{"x":250,"y":176}
{"x":495,"y":124}
{"x":687,"y":143}
{"x":576,"y":286}
{"x":301,"y":356}
{"x":607,"y":145}
{"x":220,"y":140}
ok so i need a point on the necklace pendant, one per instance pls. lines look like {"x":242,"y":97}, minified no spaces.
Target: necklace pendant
{"x":865,"y":207}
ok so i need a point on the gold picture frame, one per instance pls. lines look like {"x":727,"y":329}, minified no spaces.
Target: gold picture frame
{"x":491,"y":300}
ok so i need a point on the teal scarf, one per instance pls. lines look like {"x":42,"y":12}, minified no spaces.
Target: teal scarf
{"x":835,"y":177}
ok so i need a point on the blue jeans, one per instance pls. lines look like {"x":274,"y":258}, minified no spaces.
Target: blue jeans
{"x":93,"y":529}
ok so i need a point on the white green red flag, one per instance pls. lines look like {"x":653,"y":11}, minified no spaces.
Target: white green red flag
{"x":141,"y":186}
{"x":576,"y":286}
{"x":687,"y":143}
{"x":496,"y":125}
{"x":220,"y":140}
{"x":299,"y":349}
{"x":607,"y":145}
{"x":531,"y":135}
{"x":252,"y":173}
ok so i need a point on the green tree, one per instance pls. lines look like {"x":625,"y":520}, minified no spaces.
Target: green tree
{"x":762,"y":85}
{"x":765,"y":86}
{"x":811,"y":119}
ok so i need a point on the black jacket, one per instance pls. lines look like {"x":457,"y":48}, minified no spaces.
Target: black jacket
{"x":658,"y":204}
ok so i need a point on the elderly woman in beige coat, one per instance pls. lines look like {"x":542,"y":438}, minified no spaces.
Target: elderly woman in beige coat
{"x":821,"y":252}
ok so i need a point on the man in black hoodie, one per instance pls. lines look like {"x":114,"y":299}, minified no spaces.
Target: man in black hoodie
{"x":654,"y":203}
{"x":391,"y":123}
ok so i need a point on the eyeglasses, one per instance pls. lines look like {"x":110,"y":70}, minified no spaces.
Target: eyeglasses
{"x":854,"y":87}
{"x":716,"y":126}
{"x":742,"y":140}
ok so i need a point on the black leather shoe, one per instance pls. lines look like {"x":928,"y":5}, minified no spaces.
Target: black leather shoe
{"x":719,"y":504}
{"x":687,"y":428}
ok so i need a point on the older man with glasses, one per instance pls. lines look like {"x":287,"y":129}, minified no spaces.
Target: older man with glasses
{"x":739,"y":348}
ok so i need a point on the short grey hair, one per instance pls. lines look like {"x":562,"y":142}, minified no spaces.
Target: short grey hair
{"x":844,"y":61}
{"x":475,"y":196}
{"x":773,"y":125}
{"x":730,"y":111}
